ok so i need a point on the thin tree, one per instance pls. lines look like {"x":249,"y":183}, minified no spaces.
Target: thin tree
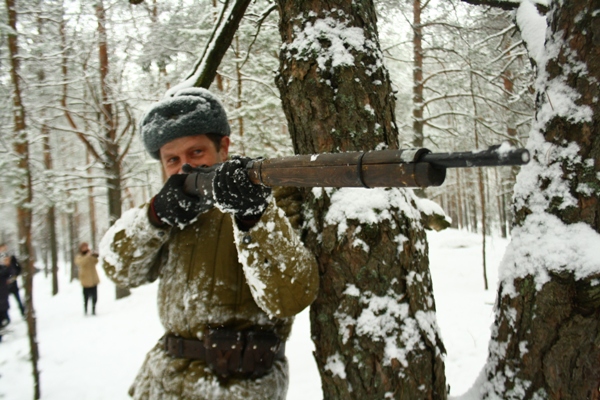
{"x":25,"y":197}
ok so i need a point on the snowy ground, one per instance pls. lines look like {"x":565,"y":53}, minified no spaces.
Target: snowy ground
{"x":96,"y":358}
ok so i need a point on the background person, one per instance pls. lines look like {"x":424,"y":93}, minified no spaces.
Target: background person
{"x":5,"y":274}
{"x":88,"y":276}
{"x":15,"y":268}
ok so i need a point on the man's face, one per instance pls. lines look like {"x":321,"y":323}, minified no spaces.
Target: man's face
{"x":194,"y":150}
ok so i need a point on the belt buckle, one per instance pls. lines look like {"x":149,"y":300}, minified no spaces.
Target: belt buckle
{"x":174,"y":349}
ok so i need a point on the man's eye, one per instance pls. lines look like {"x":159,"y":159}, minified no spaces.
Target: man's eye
{"x":197,"y":152}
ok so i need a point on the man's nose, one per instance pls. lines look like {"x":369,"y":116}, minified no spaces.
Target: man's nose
{"x":184,"y":160}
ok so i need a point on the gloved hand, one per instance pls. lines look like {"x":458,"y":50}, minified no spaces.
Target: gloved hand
{"x":236,"y":194}
{"x":172,"y":206}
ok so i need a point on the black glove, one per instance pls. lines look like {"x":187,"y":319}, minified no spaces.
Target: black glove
{"x":236,"y":194}
{"x":172,"y":206}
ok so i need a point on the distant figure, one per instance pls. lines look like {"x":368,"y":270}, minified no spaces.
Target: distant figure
{"x":88,"y":276}
{"x":4,"y":306}
{"x":15,"y":270}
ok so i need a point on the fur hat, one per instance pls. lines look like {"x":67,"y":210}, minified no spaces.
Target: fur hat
{"x":191,"y":111}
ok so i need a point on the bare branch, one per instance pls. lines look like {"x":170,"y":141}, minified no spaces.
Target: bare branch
{"x":222,"y":35}
{"x":503,"y":4}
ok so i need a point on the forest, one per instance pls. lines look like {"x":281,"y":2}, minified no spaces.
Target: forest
{"x":302,"y":78}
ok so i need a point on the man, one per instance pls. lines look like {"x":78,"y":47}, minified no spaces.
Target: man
{"x":88,"y":276}
{"x":15,"y":270}
{"x":231,"y":277}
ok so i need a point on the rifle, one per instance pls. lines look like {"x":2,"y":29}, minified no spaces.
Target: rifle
{"x":383,"y":168}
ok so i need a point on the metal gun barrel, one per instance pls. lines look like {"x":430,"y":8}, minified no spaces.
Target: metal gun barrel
{"x":492,"y":157}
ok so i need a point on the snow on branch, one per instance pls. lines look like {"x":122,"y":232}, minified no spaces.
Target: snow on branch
{"x":205,"y":69}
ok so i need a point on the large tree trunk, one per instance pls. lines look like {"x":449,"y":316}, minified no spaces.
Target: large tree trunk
{"x":24,"y":193}
{"x":545,"y":337}
{"x":373,"y":322}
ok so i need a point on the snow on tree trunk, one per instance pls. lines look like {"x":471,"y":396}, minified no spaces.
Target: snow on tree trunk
{"x":373,"y":323}
{"x":546,"y":337}
{"x":23,"y":194}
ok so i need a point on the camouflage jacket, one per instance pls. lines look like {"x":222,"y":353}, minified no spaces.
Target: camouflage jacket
{"x":212,"y":275}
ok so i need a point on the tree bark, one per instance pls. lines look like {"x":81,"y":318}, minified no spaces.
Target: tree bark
{"x":112,"y":162}
{"x":24,"y":192}
{"x":51,"y":220}
{"x":545,"y":337}
{"x":334,"y":106}
{"x":419,"y":138}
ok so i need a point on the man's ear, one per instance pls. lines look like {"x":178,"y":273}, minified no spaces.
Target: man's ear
{"x":224,"y":150}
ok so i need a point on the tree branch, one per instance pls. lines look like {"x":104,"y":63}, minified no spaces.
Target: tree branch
{"x":503,"y":4}
{"x":222,"y":35}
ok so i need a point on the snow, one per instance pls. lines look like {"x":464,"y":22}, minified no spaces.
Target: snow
{"x":533,"y":28}
{"x":332,"y":41}
{"x":97,"y":357}
{"x":337,"y":33}
{"x":534,"y":251}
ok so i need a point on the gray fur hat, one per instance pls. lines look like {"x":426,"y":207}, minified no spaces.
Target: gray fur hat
{"x":191,"y":111}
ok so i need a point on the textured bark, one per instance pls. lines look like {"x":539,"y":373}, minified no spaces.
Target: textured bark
{"x":112,"y":157}
{"x":551,"y":335}
{"x":345,"y":108}
{"x":24,"y":193}
{"x":419,"y":139}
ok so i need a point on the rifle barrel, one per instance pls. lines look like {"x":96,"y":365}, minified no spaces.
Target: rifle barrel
{"x":492,"y":157}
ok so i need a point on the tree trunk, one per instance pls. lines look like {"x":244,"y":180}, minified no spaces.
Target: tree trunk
{"x":91,"y":207}
{"x":51,"y":220}
{"x":417,"y":29}
{"x":24,"y":193}
{"x":73,"y":242}
{"x":545,"y":337}
{"x":481,"y":187}
{"x":112,"y":163}
{"x":377,"y":269}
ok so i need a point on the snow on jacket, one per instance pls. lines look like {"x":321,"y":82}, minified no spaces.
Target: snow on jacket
{"x":86,"y":264}
{"x":212,"y":275}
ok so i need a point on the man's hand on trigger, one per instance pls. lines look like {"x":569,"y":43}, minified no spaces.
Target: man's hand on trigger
{"x":173,"y":207}
{"x":236,"y":194}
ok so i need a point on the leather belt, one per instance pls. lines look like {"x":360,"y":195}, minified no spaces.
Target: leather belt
{"x":178,"y":347}
{"x":229,"y":353}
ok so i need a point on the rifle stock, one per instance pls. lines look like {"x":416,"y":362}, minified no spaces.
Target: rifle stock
{"x":383,"y":168}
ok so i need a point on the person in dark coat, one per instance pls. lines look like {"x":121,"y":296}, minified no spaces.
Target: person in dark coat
{"x":15,"y":270}
{"x":5,"y":274}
